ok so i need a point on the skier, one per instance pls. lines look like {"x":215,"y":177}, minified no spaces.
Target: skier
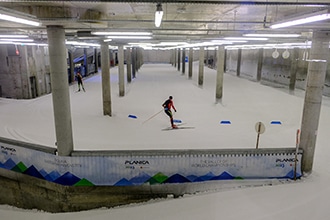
{"x":80,"y":82}
{"x":167,"y":105}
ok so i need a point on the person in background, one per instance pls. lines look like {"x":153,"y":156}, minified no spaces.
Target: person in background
{"x":80,"y":82}
{"x":168,"y":105}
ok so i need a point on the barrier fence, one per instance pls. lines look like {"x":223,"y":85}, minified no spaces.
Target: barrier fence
{"x":134,"y":168}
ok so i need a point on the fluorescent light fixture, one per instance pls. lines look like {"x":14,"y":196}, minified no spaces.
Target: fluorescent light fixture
{"x":13,"y":39}
{"x":272,"y":35}
{"x":13,"y":36}
{"x":318,"y":16}
{"x":76,"y":43}
{"x":6,"y":42}
{"x":158,"y":15}
{"x":222,"y":42}
{"x":171,"y":43}
{"x":107,"y":40}
{"x":129,"y":37}
{"x":19,"y":20}
{"x":122,"y":33}
{"x":245,"y":38}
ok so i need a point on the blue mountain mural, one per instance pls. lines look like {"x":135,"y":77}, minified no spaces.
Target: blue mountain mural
{"x":192,"y":178}
{"x":177,"y":178}
{"x":142,"y":178}
{"x":52,"y":176}
{"x":123,"y":182}
{"x":223,"y":176}
{"x":32,"y":171}
{"x":43,"y":172}
{"x":9,"y":164}
{"x":291,"y":175}
{"x":206,"y":177}
{"x":67,"y":179}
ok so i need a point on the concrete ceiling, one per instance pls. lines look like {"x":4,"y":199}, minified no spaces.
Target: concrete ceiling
{"x":183,"y":20}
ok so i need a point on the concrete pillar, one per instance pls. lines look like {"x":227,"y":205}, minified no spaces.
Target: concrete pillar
{"x":134,"y":62}
{"x":175,"y":59}
{"x":239,"y":60}
{"x":220,"y":72}
{"x":225,"y":63}
{"x":183,"y":61}
{"x":190,"y":62}
{"x":201,"y":66}
{"x":179,"y":59}
{"x":141,"y":58}
{"x":317,"y":67}
{"x":96,"y":60}
{"x":60,"y":89}
{"x":260,"y":62}
{"x":138,"y":60}
{"x":72,"y":76}
{"x":129,"y":65}
{"x":85,"y":62}
{"x":294,"y":68}
{"x":121,"y":70}
{"x":105,"y":67}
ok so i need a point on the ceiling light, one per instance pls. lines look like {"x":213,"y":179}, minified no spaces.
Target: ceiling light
{"x":121,"y":33}
{"x":76,"y":43}
{"x":272,"y":35}
{"x":245,"y":38}
{"x":158,"y":15}
{"x":13,"y":39}
{"x":130,"y":37}
{"x":317,"y":16}
{"x":13,"y":36}
{"x":19,"y":20}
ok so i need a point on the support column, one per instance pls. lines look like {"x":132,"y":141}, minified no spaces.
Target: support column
{"x":175,"y":52}
{"x":105,"y":67}
{"x":317,"y":67}
{"x":239,"y":60}
{"x":293,"y":69}
{"x":121,"y":70}
{"x":220,"y":72}
{"x":85,"y":63}
{"x":179,"y":60}
{"x":96,"y":60}
{"x":183,"y":61}
{"x":60,"y":89}
{"x":260,"y":62}
{"x":190,"y":61}
{"x":201,"y":66}
{"x":129,"y":65}
{"x":134,"y":62}
{"x":72,"y":76}
{"x":225,"y":62}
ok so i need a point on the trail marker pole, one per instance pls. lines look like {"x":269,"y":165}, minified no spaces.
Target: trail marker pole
{"x":260,"y":129}
{"x":296,"y":154}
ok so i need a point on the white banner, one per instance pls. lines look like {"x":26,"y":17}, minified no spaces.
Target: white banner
{"x":138,"y":170}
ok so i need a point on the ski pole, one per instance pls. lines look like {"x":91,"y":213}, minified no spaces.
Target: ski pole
{"x":152,"y":116}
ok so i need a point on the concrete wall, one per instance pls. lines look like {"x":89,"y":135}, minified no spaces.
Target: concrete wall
{"x":23,"y":75}
{"x":275,"y":72}
{"x":164,"y":56}
{"x":156,"y":56}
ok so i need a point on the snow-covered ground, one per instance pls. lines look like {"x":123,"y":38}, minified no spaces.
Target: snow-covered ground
{"x":244,"y":103}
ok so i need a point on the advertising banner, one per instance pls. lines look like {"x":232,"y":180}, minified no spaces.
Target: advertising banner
{"x":150,"y":169}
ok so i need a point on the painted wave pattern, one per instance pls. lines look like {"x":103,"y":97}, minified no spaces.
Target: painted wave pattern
{"x":69,"y":179}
